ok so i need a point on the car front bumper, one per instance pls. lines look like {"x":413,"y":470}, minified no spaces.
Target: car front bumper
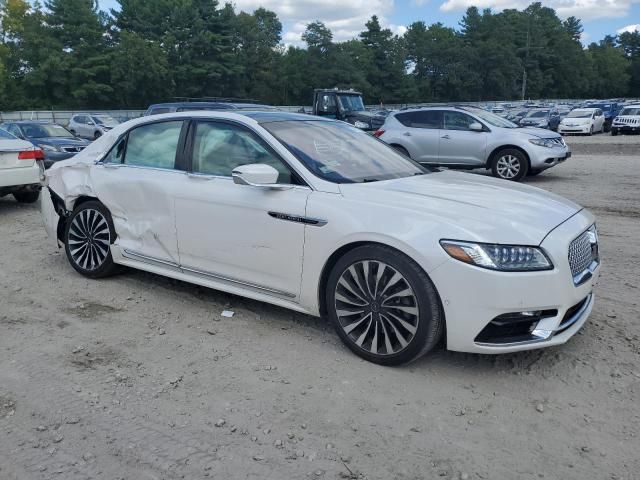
{"x":574,"y":129}
{"x":542,"y":158}
{"x":473,"y":297}
{"x":626,"y":128}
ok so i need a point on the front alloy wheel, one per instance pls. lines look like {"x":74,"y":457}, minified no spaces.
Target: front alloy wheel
{"x":88,"y":238}
{"x":384,"y":307}
{"x":510,"y":164}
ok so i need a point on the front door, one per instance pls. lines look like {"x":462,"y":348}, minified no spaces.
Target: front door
{"x":246,"y":235}
{"x":421,"y":135}
{"x":458,"y":143}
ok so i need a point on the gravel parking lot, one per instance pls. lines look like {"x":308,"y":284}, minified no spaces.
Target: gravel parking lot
{"x":140,"y":377}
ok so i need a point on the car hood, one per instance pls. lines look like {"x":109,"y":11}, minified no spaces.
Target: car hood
{"x":538,"y":132}
{"x":474,"y":207}
{"x":374,"y":121}
{"x":58,"y":141}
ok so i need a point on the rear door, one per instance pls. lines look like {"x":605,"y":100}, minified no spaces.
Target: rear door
{"x":458,"y":143}
{"x":138,"y":181}
{"x":420,"y":134}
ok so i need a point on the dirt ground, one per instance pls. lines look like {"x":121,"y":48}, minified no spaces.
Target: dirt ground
{"x":139,"y":377}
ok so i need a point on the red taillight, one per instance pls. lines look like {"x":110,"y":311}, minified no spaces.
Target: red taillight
{"x":378,"y":133}
{"x":35,"y":154}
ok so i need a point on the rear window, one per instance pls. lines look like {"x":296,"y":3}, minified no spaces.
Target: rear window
{"x":431,"y":119}
{"x":6,"y":135}
{"x":158,"y":111}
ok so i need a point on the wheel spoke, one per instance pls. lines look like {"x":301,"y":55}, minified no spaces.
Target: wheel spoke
{"x":376,"y":307}
{"x":89,"y":239}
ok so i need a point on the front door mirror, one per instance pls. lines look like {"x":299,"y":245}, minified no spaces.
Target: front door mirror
{"x":476,"y":127}
{"x":257,"y":175}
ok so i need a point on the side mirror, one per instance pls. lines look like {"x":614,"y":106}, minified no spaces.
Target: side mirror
{"x":476,"y":127}
{"x":257,"y":175}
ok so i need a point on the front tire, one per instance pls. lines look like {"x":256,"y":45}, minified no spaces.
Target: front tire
{"x":27,"y":197}
{"x":88,"y":236}
{"x":510,"y":164}
{"x":614,"y":132}
{"x":97,"y":134}
{"x":383,"y":306}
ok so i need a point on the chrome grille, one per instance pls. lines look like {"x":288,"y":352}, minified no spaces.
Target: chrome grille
{"x":72,"y":149}
{"x":583,"y":251}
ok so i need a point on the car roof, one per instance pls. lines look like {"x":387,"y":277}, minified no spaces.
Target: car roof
{"x":213,"y":105}
{"x":278,"y":116}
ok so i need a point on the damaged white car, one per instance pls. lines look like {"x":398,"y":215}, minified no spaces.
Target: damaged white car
{"x":315,"y":215}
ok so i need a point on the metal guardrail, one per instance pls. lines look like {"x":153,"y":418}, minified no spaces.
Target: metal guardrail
{"x":62,"y":117}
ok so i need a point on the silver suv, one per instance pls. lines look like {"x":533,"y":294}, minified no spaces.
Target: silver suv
{"x":467,"y":137}
{"x":91,"y":126}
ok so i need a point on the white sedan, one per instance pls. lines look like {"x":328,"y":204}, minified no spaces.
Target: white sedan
{"x":582,"y":120}
{"x":21,"y":168}
{"x":317,"y":216}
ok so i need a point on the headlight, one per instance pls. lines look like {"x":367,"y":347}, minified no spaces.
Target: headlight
{"x":506,"y":258}
{"x":543,"y":142}
{"x":49,"y":148}
{"x":359,"y":124}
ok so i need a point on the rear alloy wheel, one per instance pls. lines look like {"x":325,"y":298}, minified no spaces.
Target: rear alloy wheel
{"x":383,"y":306}
{"x":510,"y":164}
{"x":27,"y":197}
{"x":88,"y":238}
{"x":591,"y":130}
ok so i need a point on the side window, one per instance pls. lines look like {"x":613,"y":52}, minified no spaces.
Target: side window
{"x":81,"y":119}
{"x":154,"y":145}
{"x":457,"y":121}
{"x":116,"y":154}
{"x":219,"y":148}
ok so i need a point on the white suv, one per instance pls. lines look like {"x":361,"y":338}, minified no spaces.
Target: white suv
{"x":628,"y":120}
{"x":467,"y":137}
{"x":92,"y":126}
{"x":21,"y":168}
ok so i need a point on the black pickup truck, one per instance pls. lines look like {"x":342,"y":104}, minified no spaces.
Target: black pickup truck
{"x":346,"y":105}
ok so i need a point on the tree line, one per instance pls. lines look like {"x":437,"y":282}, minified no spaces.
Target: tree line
{"x":68,"y":54}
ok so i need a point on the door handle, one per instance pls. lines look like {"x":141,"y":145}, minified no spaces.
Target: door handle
{"x":446,"y":136}
{"x":407,"y":134}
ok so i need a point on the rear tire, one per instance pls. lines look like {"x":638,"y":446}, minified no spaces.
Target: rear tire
{"x":510,"y":164}
{"x":383,"y":305}
{"x":401,"y":150}
{"x":590,"y":131}
{"x":88,"y":236}
{"x":27,"y":197}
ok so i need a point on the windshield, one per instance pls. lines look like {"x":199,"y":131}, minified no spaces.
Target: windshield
{"x":580,"y":114}
{"x":340,"y":153}
{"x":39,"y":130}
{"x":630,"y":111}
{"x":538,"y":114}
{"x":351,"y":103}
{"x":492,"y":119}
{"x":105,"y":120}
{"x":6,"y":135}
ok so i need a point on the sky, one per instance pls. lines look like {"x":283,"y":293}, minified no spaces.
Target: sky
{"x":346,"y":18}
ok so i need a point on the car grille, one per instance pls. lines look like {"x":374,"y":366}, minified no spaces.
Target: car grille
{"x":73,"y":149}
{"x":627,"y":121}
{"x":583,"y":251}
